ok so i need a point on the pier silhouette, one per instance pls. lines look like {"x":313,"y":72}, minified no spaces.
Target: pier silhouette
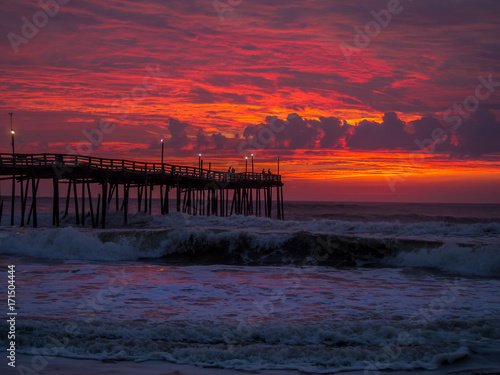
{"x":198,"y":191}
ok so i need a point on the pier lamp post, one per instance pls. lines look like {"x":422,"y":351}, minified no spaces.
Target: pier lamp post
{"x":252,"y":163}
{"x":246,"y":164}
{"x":199,"y":161}
{"x":161,"y":140}
{"x":12,"y":132}
{"x":278,"y":165}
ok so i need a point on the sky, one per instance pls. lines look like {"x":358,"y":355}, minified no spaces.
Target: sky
{"x":360,"y":100}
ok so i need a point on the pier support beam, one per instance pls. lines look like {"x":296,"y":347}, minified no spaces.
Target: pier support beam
{"x":33,"y":209}
{"x":24,"y":197}
{"x":75,"y":196}
{"x":55,"y":202}
{"x":104,"y":202}
{"x":278,"y":203}
{"x":91,"y":206}
{"x":83,"y":203}
{"x":68,"y":195}
{"x":13,"y":199}
{"x":126,"y":190}
{"x":282,"y":205}
{"x":178,"y":196}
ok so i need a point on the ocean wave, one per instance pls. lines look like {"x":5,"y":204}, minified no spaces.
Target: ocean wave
{"x":462,"y":260}
{"x":435,"y":229}
{"x":467,"y":250}
{"x":407,"y":218}
{"x":430,"y":229}
{"x":317,"y":348}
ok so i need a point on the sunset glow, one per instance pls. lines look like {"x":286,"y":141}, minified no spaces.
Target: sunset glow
{"x":410,"y":113}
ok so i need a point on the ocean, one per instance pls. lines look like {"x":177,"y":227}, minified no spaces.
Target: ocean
{"x":362,"y":288}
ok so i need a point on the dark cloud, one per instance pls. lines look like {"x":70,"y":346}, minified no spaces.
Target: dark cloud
{"x":332,"y":131}
{"x":391,"y":134}
{"x":296,"y":133}
{"x":475,"y":137}
{"x":202,"y":96}
{"x":430,"y":135}
{"x":479,"y":135}
{"x":178,"y":136}
{"x":251,"y":130}
{"x":249,"y":47}
{"x":219,"y":140}
{"x":201,"y":140}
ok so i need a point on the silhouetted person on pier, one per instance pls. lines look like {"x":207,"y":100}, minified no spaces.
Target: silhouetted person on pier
{"x":263,"y":171}
{"x":233,"y":171}
{"x":269,"y":171}
{"x":229,"y":170}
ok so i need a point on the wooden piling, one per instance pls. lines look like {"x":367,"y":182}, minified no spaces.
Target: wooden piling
{"x":23,"y":199}
{"x":34,"y":191}
{"x":140,"y":189}
{"x":83,"y":203}
{"x":104,"y":203}
{"x":13,"y":198}
{"x":55,"y":201}
{"x":166,"y":208}
{"x":126,"y":190}
{"x":98,"y":210}
{"x":68,"y":194}
{"x":75,"y":197}
{"x":151,"y":188}
{"x":146,"y":195}
{"x":117,"y":199}
{"x":178,"y":196}
{"x":282,"y":205}
{"x":162,"y":207}
{"x":94,"y":221}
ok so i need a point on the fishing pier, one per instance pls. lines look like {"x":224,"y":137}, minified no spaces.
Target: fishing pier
{"x":197,"y":191}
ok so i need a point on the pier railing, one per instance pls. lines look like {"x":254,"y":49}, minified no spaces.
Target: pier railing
{"x":78,"y":161}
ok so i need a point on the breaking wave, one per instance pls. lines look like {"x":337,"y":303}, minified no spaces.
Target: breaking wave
{"x":469,"y":249}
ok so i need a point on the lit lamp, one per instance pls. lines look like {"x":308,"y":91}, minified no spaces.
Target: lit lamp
{"x":12,"y":143}
{"x":161,"y":140}
{"x":246,"y":164}
{"x":199,"y":161}
{"x":12,"y":132}
{"x":252,"y":163}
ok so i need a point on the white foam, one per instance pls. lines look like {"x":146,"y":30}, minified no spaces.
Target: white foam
{"x":429,"y":230}
{"x":463,"y":260}
{"x":314,"y":319}
{"x":307,"y":348}
{"x":64,"y":243}
{"x":469,"y":249}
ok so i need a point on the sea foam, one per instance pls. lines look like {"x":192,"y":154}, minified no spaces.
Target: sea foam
{"x":468,"y":249}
